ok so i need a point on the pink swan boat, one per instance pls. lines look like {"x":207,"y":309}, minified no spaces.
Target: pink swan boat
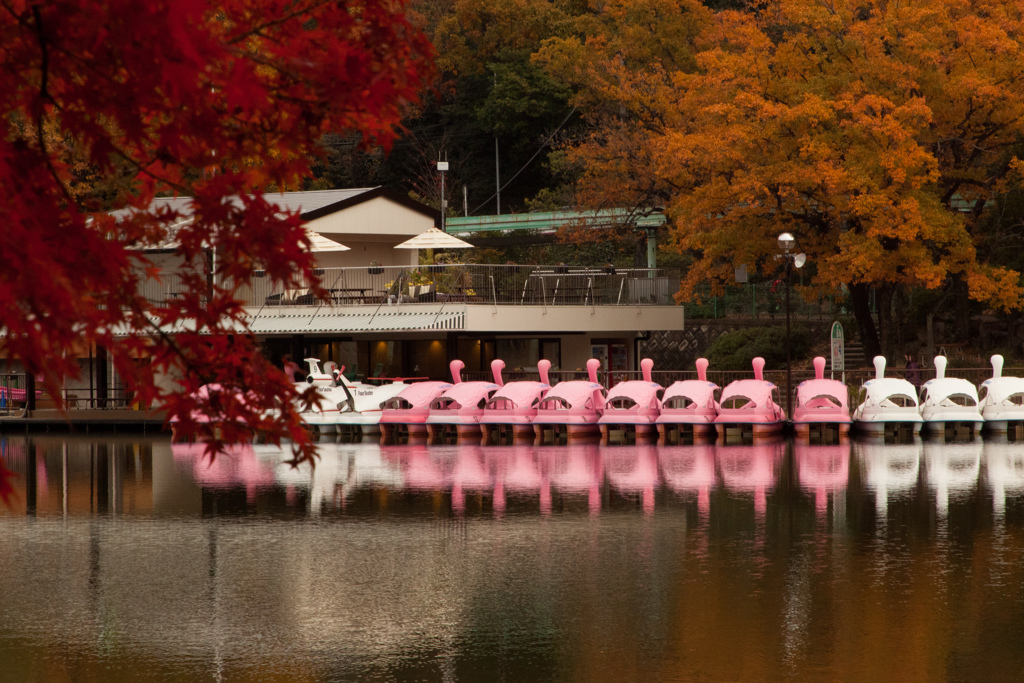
{"x":751,"y":407}
{"x":689,"y":408}
{"x":508,"y":416}
{"x":404,"y":416}
{"x":632,"y":408}
{"x":570,"y":409}
{"x":455,"y":414}
{"x":822,"y":406}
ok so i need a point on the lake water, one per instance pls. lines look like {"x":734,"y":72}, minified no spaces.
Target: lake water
{"x":135,"y":559}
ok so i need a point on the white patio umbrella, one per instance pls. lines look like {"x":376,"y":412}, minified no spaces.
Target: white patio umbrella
{"x":434,"y":239}
{"x":320,"y":243}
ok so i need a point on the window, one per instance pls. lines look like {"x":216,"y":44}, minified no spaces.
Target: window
{"x":679,"y":403}
{"x":900,"y":401}
{"x":621,"y":403}
{"x":396,"y":404}
{"x":445,"y":403}
{"x":554,"y":403}
{"x":501,"y":404}
{"x":736,"y":402}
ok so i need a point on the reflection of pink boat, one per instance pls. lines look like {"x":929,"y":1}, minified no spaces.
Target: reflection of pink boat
{"x":822,"y":408}
{"x":455,"y":414}
{"x":689,"y":408}
{"x":510,"y":412}
{"x":631,"y":408}
{"x":823,"y":469}
{"x":750,"y":407}
{"x":570,"y":409}
{"x":237,"y":466}
{"x":405,"y":415}
{"x":219,"y":402}
{"x":750,"y":467}
{"x":633,"y":469}
{"x":687,"y":469}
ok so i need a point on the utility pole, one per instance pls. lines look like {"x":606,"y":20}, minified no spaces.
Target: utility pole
{"x":442,"y":166}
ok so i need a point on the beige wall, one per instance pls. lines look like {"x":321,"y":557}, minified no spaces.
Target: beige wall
{"x":378,"y":218}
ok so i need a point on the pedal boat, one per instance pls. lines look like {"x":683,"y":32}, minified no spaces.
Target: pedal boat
{"x":750,"y":407}
{"x":949,"y":406}
{"x":455,"y":415}
{"x":404,"y":417}
{"x":889,"y":406}
{"x":631,"y":409}
{"x":689,"y":409}
{"x":508,"y":415}
{"x":352,"y":409}
{"x":570,"y":410}
{"x":822,"y":407}
{"x":1002,"y":403}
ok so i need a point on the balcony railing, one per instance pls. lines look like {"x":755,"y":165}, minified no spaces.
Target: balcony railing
{"x":502,"y":285}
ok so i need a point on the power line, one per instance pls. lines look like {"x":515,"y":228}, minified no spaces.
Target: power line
{"x":539,"y":150}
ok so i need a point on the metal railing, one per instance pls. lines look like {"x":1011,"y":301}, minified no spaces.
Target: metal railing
{"x":502,"y":285}
{"x":14,"y":397}
{"x":761,"y":300}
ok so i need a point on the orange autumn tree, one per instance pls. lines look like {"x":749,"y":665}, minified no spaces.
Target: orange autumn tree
{"x":211,"y":100}
{"x":876,"y":132}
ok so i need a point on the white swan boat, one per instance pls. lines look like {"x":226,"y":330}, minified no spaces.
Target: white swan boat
{"x":1002,"y":402}
{"x":888,"y":405}
{"x":949,"y":405}
{"x":352,"y":409}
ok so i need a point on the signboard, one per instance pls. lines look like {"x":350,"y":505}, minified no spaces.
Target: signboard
{"x":838,"y":358}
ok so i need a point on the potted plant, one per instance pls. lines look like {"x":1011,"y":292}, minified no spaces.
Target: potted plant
{"x":375,"y":268}
{"x":420,"y":283}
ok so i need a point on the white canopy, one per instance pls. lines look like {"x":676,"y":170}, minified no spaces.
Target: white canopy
{"x":434,"y":239}
{"x":321,"y":243}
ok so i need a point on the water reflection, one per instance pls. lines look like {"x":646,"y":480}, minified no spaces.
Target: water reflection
{"x":128,"y":559}
{"x":952,"y":469}
{"x":752,"y":468}
{"x":891,"y":470}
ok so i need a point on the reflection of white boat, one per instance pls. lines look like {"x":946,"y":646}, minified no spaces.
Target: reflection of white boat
{"x":1002,"y":402}
{"x":353,"y":408}
{"x":949,"y":405}
{"x":952,"y":468}
{"x":1004,"y":470}
{"x":888,"y":405}
{"x":889,"y":468}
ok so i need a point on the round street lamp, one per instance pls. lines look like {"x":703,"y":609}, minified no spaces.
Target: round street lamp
{"x":786,"y":243}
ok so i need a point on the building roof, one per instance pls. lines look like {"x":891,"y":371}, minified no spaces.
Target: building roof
{"x":310,"y":205}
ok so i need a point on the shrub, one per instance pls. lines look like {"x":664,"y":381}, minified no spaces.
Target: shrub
{"x":735,"y":350}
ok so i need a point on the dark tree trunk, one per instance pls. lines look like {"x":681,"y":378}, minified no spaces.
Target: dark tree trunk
{"x":962,"y":309}
{"x":860,"y":300}
{"x":886,"y":325}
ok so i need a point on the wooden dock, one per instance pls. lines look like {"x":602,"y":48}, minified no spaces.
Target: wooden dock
{"x":83,"y":421}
